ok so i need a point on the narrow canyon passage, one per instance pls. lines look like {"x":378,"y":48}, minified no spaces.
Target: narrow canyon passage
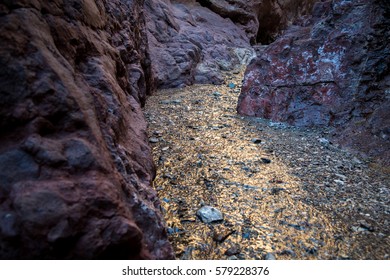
{"x":284,"y":192}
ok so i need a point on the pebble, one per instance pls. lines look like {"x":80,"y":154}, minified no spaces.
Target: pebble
{"x":266,"y":160}
{"x":270,"y":257}
{"x":288,"y":252}
{"x":234,"y":250}
{"x":167,"y":102}
{"x":232,"y":85}
{"x":153,"y":140}
{"x":324,"y":141}
{"x":339,"y":182}
{"x":256,"y":140}
{"x":173,"y":230}
{"x":208,"y":214}
{"x":342,"y":177}
{"x":276,"y":191}
{"x":217,"y":94}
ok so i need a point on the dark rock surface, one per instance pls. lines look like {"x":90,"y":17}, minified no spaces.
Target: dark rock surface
{"x":191,"y":44}
{"x":330,"y":70}
{"x":76,"y":168}
{"x":262,"y":20}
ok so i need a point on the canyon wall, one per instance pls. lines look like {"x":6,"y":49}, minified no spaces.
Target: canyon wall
{"x":332,"y":69}
{"x":76,"y":168}
{"x":191,"y":44}
{"x":195,"y":41}
{"x":262,"y":20}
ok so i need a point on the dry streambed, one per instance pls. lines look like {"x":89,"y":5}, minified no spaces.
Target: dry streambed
{"x":283,"y":192}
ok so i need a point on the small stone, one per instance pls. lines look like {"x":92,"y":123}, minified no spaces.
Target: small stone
{"x":266,"y":160}
{"x":232,"y":85}
{"x":256,"y":140}
{"x":312,"y":251}
{"x":288,"y":252}
{"x":234,"y":250}
{"x":167,"y":102}
{"x":276,"y":191}
{"x":208,"y":214}
{"x":324,"y":141}
{"x":217,"y":94}
{"x":339,"y":182}
{"x":356,"y":161}
{"x":342,"y":177}
{"x":165,"y":149}
{"x":270,"y":257}
{"x":173,"y":230}
{"x":153,"y":140}
{"x":232,"y":258}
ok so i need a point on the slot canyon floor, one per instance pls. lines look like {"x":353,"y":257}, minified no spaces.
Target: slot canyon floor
{"x":285,"y":192}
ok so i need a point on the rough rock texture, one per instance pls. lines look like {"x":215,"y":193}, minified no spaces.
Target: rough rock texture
{"x":262,"y":20}
{"x":191,"y":44}
{"x":331,"y":70}
{"x":75,"y":165}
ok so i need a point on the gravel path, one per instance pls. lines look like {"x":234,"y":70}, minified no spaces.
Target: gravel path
{"x":284,"y":192}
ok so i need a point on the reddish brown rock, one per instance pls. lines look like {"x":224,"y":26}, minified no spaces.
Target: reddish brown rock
{"x":262,"y":20}
{"x":331,"y":70}
{"x":75,"y":165}
{"x":191,"y":44}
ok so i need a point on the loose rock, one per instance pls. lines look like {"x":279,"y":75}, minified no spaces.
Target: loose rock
{"x":208,"y":214}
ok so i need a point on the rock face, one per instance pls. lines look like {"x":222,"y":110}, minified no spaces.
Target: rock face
{"x":331,"y":70}
{"x":193,"y":41}
{"x":191,"y":44}
{"x":76,"y":168}
{"x":262,"y":20}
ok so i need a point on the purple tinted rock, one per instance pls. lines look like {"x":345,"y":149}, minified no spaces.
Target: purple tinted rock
{"x":75,"y":164}
{"x":332,"y":72}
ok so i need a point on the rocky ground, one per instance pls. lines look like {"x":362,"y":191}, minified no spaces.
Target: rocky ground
{"x":283,"y":192}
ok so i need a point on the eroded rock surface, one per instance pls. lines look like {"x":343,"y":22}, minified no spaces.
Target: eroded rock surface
{"x":262,"y":20}
{"x":331,"y":70}
{"x":76,"y":167}
{"x":191,"y":44}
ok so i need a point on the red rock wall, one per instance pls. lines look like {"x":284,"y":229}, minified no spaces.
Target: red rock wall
{"x":76,"y":168}
{"x":332,"y":70}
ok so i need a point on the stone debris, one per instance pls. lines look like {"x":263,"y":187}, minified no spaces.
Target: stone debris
{"x":278,"y":196}
{"x":208,"y":214}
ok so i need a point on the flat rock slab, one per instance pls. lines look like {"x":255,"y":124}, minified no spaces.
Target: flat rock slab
{"x":208,"y":214}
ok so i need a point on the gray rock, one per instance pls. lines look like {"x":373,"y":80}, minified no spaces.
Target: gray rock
{"x":270,"y":257}
{"x":234,"y":250}
{"x":324,"y":141}
{"x":153,"y":140}
{"x":208,"y":214}
{"x":170,"y":102}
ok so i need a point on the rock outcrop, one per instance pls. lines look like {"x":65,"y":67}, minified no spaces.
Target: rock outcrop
{"x":330,"y":70}
{"x":76,"y":168}
{"x":191,"y":44}
{"x":194,"y":41}
{"x":262,"y":20}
